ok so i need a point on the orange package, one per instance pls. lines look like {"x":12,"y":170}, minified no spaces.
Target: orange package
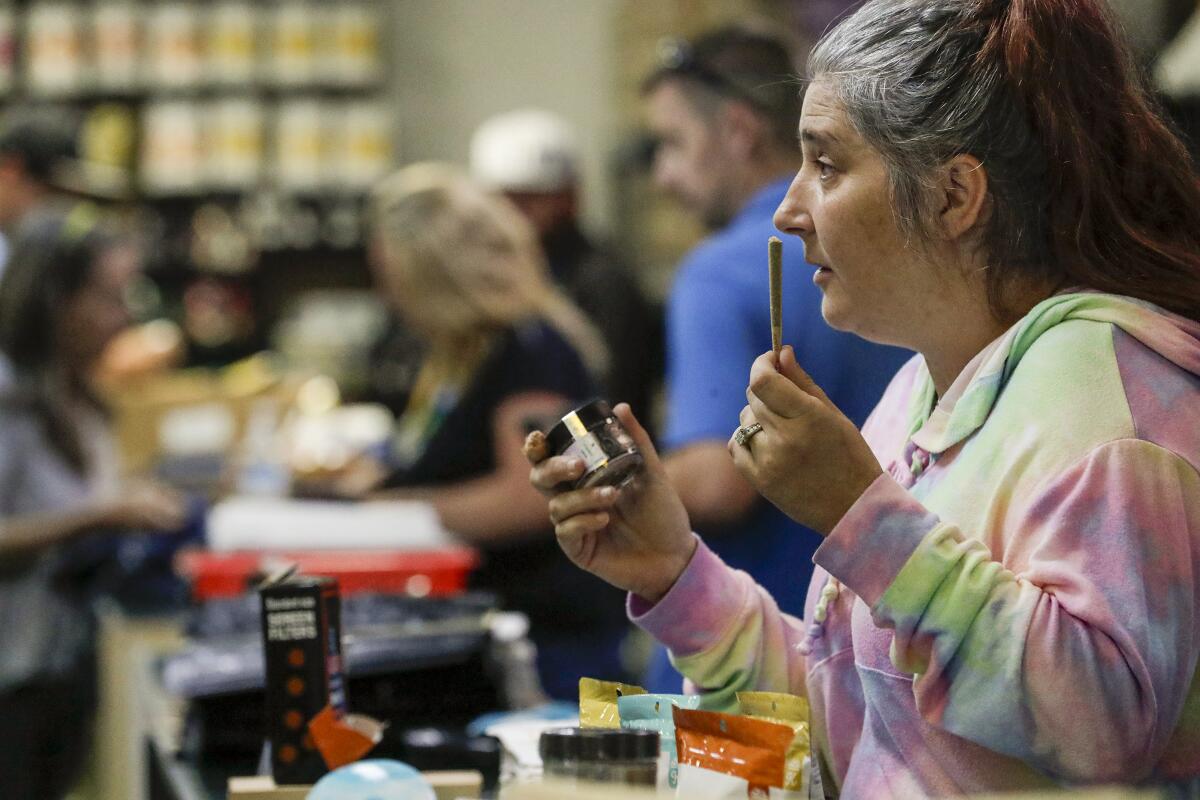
{"x":750,"y":755}
{"x":343,"y":739}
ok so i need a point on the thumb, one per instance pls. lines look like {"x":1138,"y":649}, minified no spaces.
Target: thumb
{"x":790,"y":368}
{"x":640,"y":437}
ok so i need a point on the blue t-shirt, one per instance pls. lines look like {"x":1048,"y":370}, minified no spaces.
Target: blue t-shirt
{"x":718,"y":322}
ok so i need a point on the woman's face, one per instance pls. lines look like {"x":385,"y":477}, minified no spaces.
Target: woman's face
{"x":98,"y":311}
{"x":874,"y":283}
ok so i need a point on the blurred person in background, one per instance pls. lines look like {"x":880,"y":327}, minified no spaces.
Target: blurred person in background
{"x":724,"y":111}
{"x":62,"y":300}
{"x":38,"y":164}
{"x":532,"y":157}
{"x":505,"y":352}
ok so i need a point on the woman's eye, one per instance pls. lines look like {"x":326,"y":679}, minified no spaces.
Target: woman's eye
{"x":825,"y":170}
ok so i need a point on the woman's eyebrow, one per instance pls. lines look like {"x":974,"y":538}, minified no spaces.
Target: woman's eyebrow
{"x":817,"y":136}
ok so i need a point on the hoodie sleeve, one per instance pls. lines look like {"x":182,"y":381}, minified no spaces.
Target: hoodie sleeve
{"x":1079,"y":664}
{"x":724,"y":632}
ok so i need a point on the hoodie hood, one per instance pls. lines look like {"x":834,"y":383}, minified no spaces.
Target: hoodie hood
{"x":970,"y":399}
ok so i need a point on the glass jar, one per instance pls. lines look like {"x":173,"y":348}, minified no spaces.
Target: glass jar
{"x":592,"y":434}
{"x":600,"y":755}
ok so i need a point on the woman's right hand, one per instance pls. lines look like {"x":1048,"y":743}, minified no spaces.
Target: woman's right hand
{"x":637,"y":538}
{"x":147,"y":506}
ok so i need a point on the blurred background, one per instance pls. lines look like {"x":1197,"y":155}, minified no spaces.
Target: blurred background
{"x":242,"y":136}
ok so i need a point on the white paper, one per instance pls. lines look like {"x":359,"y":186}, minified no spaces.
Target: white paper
{"x":267,"y":523}
{"x":519,"y":739}
{"x":696,"y":783}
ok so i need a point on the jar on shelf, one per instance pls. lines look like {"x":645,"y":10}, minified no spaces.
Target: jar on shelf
{"x":300,"y":132}
{"x":172,"y":156}
{"x":54,"y":49}
{"x":360,"y":139}
{"x":293,"y":55}
{"x":115,"y":45}
{"x":234,"y":143}
{"x":231,"y":54}
{"x":351,"y":53}
{"x":173,"y":45}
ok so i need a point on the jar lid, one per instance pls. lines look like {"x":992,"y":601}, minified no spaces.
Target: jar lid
{"x":591,"y":413}
{"x":598,"y":744}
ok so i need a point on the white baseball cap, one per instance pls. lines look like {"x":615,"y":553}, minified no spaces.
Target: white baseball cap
{"x":527,"y":150}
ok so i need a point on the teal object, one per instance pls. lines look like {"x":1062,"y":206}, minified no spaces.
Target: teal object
{"x":652,"y":712}
{"x":373,"y":779}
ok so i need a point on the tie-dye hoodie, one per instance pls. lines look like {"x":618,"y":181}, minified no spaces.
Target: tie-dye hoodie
{"x":1020,"y":592}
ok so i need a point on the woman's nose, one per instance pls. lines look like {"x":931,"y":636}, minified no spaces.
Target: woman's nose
{"x":792,"y":216}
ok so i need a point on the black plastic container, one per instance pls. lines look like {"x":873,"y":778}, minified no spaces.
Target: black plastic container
{"x":601,"y":755}
{"x":593,"y":434}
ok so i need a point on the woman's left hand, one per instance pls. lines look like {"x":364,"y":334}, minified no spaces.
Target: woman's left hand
{"x":808,"y":460}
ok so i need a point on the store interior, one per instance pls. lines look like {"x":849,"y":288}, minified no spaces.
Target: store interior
{"x":242,"y":147}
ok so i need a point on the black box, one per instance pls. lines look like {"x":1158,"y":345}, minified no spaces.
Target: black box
{"x":302,"y":643}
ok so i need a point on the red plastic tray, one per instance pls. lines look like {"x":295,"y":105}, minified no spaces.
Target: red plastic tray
{"x":413,"y":572}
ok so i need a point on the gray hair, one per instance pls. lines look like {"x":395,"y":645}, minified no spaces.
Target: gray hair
{"x":1089,"y":186}
{"x":909,"y":75}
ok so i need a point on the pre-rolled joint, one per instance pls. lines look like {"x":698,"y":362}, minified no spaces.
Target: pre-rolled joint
{"x":775,"y":263}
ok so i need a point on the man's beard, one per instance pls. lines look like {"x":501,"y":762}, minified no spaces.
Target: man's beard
{"x":717,"y":214}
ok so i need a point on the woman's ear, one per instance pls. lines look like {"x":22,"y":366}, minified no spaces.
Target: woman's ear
{"x":964,"y":190}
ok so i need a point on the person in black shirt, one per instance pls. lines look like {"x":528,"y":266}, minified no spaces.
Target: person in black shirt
{"x":505,"y":352}
{"x":531,"y":157}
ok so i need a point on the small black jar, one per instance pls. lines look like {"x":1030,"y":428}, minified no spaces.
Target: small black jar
{"x":601,"y":755}
{"x":592,"y":434}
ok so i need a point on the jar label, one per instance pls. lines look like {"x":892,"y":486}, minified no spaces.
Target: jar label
{"x":589,"y":450}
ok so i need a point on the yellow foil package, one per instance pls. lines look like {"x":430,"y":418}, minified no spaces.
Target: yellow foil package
{"x":789,"y":710}
{"x":598,"y":702}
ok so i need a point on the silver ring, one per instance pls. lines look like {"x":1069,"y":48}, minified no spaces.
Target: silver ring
{"x":743,"y":435}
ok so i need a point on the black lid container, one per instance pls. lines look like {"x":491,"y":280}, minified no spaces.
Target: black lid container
{"x":593,"y":434}
{"x":602,"y":755}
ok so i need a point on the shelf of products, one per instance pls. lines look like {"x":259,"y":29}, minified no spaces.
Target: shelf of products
{"x":241,"y":135}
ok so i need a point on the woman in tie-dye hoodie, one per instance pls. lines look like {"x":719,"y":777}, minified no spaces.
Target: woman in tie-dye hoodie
{"x":1008,"y":594}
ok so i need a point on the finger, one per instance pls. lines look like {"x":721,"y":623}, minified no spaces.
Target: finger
{"x":780,"y":396}
{"x":535,"y":447}
{"x":790,"y":368}
{"x":577,"y":535}
{"x":587,"y":501}
{"x":762,"y":413}
{"x":778,"y":392}
{"x":640,"y":437}
{"x":743,"y":458}
{"x":554,"y":471}
{"x":746,"y":417}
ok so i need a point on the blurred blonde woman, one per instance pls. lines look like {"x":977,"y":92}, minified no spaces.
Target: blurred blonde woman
{"x":504,"y":351}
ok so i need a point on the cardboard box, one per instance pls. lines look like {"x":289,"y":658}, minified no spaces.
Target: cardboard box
{"x":191,"y":411}
{"x":302,"y":643}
